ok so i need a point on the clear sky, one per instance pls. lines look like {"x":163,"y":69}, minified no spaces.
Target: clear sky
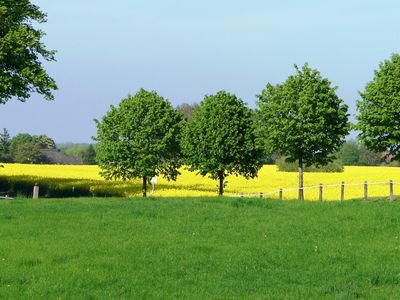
{"x":186,"y":49}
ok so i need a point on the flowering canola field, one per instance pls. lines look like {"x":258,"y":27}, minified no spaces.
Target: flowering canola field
{"x":269,"y":181}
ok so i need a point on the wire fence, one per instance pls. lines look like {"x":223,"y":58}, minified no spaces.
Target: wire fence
{"x":341,"y":194}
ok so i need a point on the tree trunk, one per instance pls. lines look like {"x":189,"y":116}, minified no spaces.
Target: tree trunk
{"x":301,"y":193}
{"x":144,"y":188}
{"x":221,"y":184}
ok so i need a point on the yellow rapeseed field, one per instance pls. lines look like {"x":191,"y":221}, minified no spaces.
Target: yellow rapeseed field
{"x":268,"y":182}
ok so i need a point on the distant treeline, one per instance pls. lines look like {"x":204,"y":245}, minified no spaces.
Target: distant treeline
{"x":87,"y":152}
{"x":352,"y":153}
{"x":38,"y":149}
{"x":26,"y":148}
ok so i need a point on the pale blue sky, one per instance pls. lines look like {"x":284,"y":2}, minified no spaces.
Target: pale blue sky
{"x":186,"y":49}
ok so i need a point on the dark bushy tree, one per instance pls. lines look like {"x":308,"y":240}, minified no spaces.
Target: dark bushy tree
{"x":220,"y":139}
{"x":22,"y":52}
{"x":89,"y":155}
{"x":19,"y":139}
{"x":379,"y":110}
{"x":44,"y":141}
{"x":28,"y":153}
{"x":5,"y":142}
{"x":20,"y":147}
{"x":139,"y":139}
{"x":303,"y":119}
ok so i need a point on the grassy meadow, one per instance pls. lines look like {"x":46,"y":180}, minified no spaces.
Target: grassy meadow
{"x":198,"y":248}
{"x":85,"y":180}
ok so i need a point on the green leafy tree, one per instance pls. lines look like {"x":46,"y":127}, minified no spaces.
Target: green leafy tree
{"x":349,"y":153}
{"x":72,"y":149}
{"x":379,"y":110}
{"x":19,"y":139}
{"x":22,"y":52}
{"x":220,"y":139}
{"x":44,"y":141}
{"x":20,"y":143}
{"x":89,"y":155}
{"x":303,"y":119}
{"x":28,"y":153}
{"x":5,"y":142}
{"x":139,"y":139}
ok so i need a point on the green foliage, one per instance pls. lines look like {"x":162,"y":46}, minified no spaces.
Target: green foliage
{"x":19,"y":139}
{"x":85,"y":151}
{"x":379,"y":110}
{"x":44,"y":141}
{"x":5,"y":143}
{"x":139,"y":138}
{"x":220,"y":139}
{"x":73,"y":149}
{"x":25,"y":148}
{"x":198,"y":248}
{"x":331,"y":167}
{"x":352,"y":153}
{"x":27,"y":153}
{"x":303,"y":118}
{"x":349,"y":153}
{"x":22,"y":52}
{"x":89,"y":155}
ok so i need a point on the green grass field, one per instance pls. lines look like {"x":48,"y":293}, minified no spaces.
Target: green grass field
{"x":198,"y":248}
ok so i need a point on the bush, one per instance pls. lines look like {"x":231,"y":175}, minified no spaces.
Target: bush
{"x":284,"y":166}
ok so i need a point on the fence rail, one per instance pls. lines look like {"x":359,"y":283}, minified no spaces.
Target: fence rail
{"x":365,"y":184}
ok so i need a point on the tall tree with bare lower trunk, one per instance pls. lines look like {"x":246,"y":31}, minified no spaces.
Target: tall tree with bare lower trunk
{"x":220,"y":139}
{"x":303,"y":119}
{"x":139,"y":139}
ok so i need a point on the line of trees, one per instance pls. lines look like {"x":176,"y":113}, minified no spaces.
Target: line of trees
{"x":302,"y":119}
{"x":87,"y":152}
{"x":23,"y":147}
{"x":31,"y":149}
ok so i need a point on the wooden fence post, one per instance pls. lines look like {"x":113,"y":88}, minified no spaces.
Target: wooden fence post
{"x":320,"y":192}
{"x":35,"y":191}
{"x":342,"y":192}
{"x":280,"y":194}
{"x":365,"y":190}
{"x":391,"y":190}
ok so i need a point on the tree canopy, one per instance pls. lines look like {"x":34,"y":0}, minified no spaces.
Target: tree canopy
{"x":303,"y":119}
{"x":220,"y":139}
{"x":353,"y":153}
{"x":89,"y":155}
{"x":139,"y":139}
{"x":26,"y":148}
{"x":5,"y":142}
{"x":379,"y":110}
{"x":22,"y":52}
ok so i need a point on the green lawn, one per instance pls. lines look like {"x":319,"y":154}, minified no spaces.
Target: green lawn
{"x":198,"y":248}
